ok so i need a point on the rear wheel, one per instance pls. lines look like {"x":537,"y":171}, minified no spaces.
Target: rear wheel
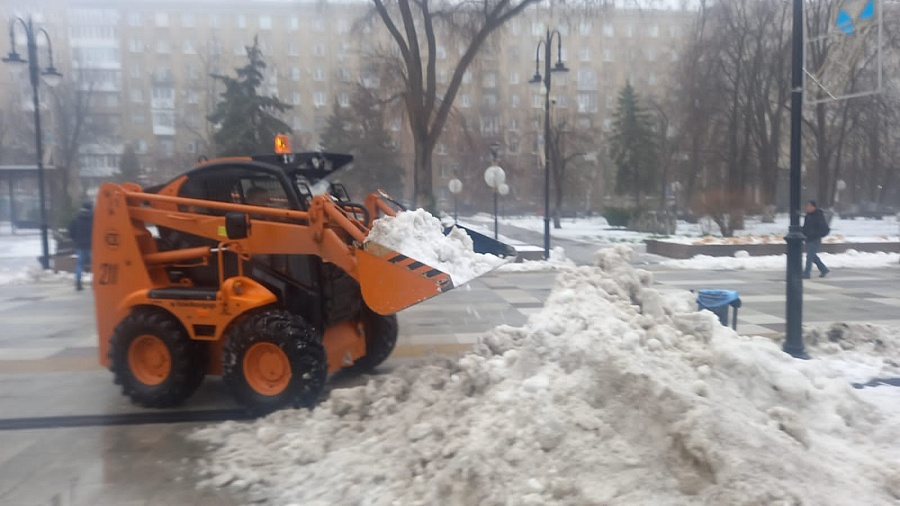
{"x":381,"y":338}
{"x":274,"y":359}
{"x":155,"y":361}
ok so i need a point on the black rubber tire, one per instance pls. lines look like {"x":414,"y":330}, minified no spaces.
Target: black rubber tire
{"x":297,"y":340}
{"x":187,"y":359}
{"x":381,"y":338}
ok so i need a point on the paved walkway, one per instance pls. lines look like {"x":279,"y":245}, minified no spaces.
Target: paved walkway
{"x":49,"y":375}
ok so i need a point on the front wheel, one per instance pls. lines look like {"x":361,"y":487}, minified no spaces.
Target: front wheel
{"x":274,"y":359}
{"x":155,"y":361}
{"x":381,"y":338}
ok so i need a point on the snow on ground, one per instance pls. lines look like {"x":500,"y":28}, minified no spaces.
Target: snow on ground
{"x":597,"y":230}
{"x":851,"y":259}
{"x":613,"y":393}
{"x":19,"y":254}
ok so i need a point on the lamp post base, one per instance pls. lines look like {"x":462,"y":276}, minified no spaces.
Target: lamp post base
{"x":793,"y":343}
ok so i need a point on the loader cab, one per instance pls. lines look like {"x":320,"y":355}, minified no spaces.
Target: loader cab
{"x":302,"y":283}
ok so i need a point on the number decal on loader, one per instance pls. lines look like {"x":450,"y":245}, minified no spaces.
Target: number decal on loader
{"x":109,"y":274}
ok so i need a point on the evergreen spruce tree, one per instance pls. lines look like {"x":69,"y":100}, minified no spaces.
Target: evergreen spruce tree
{"x":247,"y":122}
{"x":129,"y":165}
{"x":632,"y":146}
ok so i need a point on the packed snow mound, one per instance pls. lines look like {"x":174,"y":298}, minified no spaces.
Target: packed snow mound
{"x":865,"y":351}
{"x":419,"y":235}
{"x":612,"y":394}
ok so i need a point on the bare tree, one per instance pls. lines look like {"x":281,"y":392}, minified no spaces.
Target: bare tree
{"x":413,"y":26}
{"x":72,"y":108}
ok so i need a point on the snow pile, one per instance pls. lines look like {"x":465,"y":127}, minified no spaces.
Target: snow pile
{"x":611,"y":394}
{"x":419,"y":235}
{"x":862,"y":351}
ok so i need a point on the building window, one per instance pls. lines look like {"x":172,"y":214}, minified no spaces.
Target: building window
{"x":674,"y":55}
{"x":609,"y":31}
{"x":162,"y":46}
{"x":319,"y":74}
{"x":537,"y":29}
{"x":295,"y":73}
{"x":188,"y":20}
{"x":629,"y":31}
{"x":241,"y":21}
{"x":137,"y":96}
{"x":136,"y":70}
{"x":610,"y":102}
{"x":135,"y":45}
{"x":319,"y":99}
{"x":161,"y":19}
{"x":585,"y":27}
{"x":467,"y":77}
{"x":343,"y":26}
{"x":537,"y":101}
{"x":513,"y":78}
{"x":296,"y":124}
{"x":294,"y":23}
{"x":319,"y":50}
{"x":138,"y":119}
{"x":607,"y":55}
{"x":395,"y":124}
{"x":167,"y":146}
{"x":239,"y":49}
{"x":188,"y":47}
{"x":514,"y":101}
{"x":213,"y":20}
{"x":442,"y":76}
{"x":344,"y":100}
{"x":265,"y":22}
{"x":607,"y":125}
{"x":465,"y":100}
{"x":134,"y":19}
{"x":193,"y":97}
{"x":513,"y":125}
{"x":584,"y":54}
{"x":295,"y":98}
{"x":344,"y":75}
{"x":319,"y":25}
{"x":653,"y":31}
{"x":489,"y":80}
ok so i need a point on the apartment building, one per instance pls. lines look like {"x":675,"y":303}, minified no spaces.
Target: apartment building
{"x":147,"y":66}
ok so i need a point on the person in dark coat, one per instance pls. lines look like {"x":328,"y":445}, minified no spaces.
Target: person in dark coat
{"x":815,"y":227}
{"x":81,"y":230}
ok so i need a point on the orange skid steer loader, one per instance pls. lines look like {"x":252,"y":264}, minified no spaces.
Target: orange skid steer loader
{"x":238,"y":268}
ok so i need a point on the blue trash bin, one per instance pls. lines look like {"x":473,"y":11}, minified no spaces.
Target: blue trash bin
{"x":718,"y":301}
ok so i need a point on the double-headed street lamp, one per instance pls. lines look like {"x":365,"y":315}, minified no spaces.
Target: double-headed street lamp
{"x":559,"y":67}
{"x":52,"y":78}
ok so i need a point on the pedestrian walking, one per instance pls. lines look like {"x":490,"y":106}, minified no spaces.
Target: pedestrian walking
{"x":81,"y":230}
{"x":815,"y":227}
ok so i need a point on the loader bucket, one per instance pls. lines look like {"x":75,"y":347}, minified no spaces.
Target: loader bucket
{"x":485,"y":244}
{"x":391,"y":281}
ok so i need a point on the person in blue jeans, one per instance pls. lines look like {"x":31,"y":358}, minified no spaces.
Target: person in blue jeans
{"x":815,"y":227}
{"x":80,"y":230}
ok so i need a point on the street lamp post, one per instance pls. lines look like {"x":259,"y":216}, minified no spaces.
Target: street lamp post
{"x":793,"y":343}
{"x":52,"y":78}
{"x":455,"y":186}
{"x":559,"y":67}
